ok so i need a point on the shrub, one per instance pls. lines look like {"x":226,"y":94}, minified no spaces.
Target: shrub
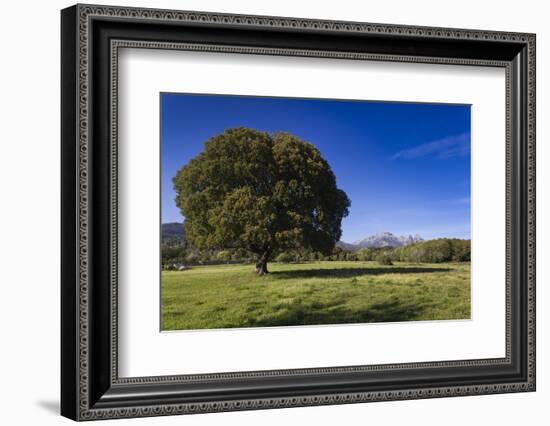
{"x":192,"y":257}
{"x":365,"y":254}
{"x":284,"y":257}
{"x":350,"y":256}
{"x":312,"y":256}
{"x":384,"y":259}
{"x":224,"y":255}
{"x":317,"y":255}
{"x":337,"y":254}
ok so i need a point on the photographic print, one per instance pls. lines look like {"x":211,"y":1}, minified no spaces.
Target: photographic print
{"x":299,"y":212}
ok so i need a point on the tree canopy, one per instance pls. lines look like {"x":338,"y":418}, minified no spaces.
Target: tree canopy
{"x":261,"y":192}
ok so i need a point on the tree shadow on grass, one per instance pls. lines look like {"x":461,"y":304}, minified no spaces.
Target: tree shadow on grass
{"x":300,"y":313}
{"x":352,"y":272}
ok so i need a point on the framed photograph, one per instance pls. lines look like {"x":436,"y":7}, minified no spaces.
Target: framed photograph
{"x":263,"y":212}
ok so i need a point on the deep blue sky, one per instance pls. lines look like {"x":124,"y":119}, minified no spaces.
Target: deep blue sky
{"x":405,"y":166}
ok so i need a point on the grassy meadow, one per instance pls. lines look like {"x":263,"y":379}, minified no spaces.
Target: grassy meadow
{"x":335,"y":292}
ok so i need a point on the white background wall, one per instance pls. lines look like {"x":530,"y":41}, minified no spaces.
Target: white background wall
{"x":29,"y":211}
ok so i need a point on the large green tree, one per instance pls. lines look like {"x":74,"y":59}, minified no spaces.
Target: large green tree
{"x":261,"y":192}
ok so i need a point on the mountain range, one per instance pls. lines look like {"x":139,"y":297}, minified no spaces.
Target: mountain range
{"x":174,"y":232}
{"x":387,"y":239}
{"x":382,"y":239}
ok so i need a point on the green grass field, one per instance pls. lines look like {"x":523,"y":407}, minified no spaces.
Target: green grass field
{"x":228,"y":296}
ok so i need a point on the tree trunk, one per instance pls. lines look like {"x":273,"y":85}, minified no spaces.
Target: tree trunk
{"x":261,"y":264}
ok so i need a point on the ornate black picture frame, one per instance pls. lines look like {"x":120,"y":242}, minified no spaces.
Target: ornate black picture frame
{"x":91,"y":37}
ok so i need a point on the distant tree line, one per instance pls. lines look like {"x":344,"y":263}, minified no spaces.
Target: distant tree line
{"x":434,"y":251}
{"x":431,"y":251}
